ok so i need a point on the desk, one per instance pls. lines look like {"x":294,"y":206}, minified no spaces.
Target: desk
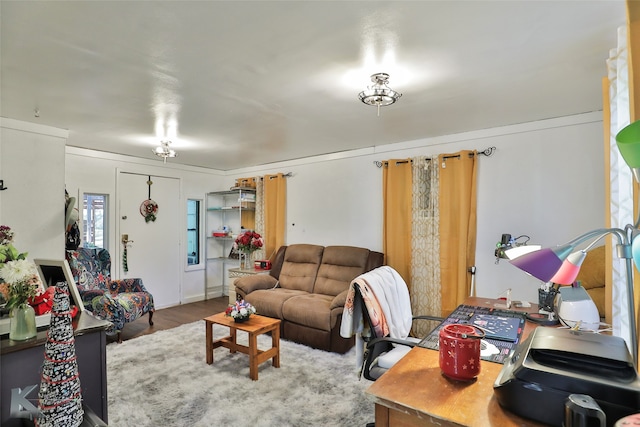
{"x":415,"y":393}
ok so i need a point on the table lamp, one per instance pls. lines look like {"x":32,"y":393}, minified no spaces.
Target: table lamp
{"x":511,"y":248}
{"x":562,"y":263}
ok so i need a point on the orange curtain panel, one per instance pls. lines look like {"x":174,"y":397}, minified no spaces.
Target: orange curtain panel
{"x":633,"y":45}
{"x":608,"y":264}
{"x":275,"y":205}
{"x":396,"y":234}
{"x":458,"y":217}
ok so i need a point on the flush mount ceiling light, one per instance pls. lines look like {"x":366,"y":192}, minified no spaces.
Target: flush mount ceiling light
{"x":164,"y":151}
{"x":379,"y":94}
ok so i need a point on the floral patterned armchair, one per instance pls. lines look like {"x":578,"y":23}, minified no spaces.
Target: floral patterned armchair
{"x":118,"y":301}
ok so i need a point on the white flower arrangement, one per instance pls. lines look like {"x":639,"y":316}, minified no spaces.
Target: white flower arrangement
{"x":240,"y":310}
{"x":22,"y":279}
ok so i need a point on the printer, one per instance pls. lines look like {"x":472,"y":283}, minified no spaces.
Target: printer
{"x":553,"y":363}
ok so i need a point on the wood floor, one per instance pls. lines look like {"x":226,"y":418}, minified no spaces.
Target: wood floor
{"x":171,"y":317}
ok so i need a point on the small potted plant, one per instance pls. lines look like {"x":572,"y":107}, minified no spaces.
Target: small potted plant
{"x":240,"y":311}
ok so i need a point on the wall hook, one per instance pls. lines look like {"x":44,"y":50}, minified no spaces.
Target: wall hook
{"x":2,"y":187}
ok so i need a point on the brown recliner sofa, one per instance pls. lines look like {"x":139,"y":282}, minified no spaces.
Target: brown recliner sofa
{"x":307,"y":289}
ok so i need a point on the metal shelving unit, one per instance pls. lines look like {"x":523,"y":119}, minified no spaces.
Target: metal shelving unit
{"x":228,"y":214}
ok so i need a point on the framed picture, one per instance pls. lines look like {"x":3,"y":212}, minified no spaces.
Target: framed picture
{"x":52,"y":271}
{"x":234,"y":254}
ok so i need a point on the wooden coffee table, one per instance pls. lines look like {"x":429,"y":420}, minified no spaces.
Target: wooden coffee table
{"x":255,"y":326}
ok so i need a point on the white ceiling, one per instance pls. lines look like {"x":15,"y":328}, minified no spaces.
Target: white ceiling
{"x":239,"y":83}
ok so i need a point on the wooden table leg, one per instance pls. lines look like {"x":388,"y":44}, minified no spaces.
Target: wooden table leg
{"x":233,"y":334}
{"x":253,"y":356}
{"x":275,"y":343}
{"x":209,"y":340}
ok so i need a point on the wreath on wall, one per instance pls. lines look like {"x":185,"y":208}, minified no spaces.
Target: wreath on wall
{"x":149,"y":208}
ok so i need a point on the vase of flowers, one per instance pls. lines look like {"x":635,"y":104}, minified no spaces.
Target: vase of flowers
{"x":247,"y":243}
{"x":240,"y":311}
{"x":23,"y":323}
{"x":22,"y":280}
{"x":19,"y":285}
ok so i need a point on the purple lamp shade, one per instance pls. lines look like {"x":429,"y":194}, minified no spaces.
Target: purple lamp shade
{"x":569,"y":269}
{"x":542,"y":264}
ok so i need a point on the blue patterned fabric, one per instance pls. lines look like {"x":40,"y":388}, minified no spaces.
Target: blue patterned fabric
{"x":118,"y":301}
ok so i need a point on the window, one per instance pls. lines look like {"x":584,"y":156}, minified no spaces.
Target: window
{"x":94,"y":220}
{"x":193,"y":232}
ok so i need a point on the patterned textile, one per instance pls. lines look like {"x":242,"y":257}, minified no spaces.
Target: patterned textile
{"x":425,"y":246}
{"x":620,"y":179}
{"x":118,"y":301}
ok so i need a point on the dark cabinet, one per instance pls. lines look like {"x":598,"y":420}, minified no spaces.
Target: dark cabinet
{"x":21,"y":364}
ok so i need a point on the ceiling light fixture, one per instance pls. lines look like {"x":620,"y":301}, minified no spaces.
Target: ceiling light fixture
{"x":164,"y":151}
{"x":379,"y":94}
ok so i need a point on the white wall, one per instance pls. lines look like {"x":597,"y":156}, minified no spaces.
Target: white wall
{"x":32,"y":168}
{"x":545,"y":180}
{"x":90,"y":171}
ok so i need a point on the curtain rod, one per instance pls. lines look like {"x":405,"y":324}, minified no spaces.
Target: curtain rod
{"x":486,"y":152}
{"x":284,"y":175}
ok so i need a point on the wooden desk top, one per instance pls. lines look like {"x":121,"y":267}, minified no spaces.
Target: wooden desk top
{"x":416,"y":386}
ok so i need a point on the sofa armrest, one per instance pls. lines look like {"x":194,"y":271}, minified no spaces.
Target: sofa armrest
{"x":88,"y":296}
{"x":248,"y":284}
{"x":339,"y":300}
{"x":105,"y":307}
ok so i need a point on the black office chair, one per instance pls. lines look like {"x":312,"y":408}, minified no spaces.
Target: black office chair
{"x":382,"y":352}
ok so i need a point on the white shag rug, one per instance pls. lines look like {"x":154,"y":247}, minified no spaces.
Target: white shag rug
{"x":163,"y":379}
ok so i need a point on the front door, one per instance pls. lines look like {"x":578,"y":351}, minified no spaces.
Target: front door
{"x":153,"y":251}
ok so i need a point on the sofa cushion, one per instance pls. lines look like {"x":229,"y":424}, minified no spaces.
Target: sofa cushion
{"x":339,"y":266}
{"x":269,"y":302}
{"x":300,"y":267}
{"x":310,"y":310}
